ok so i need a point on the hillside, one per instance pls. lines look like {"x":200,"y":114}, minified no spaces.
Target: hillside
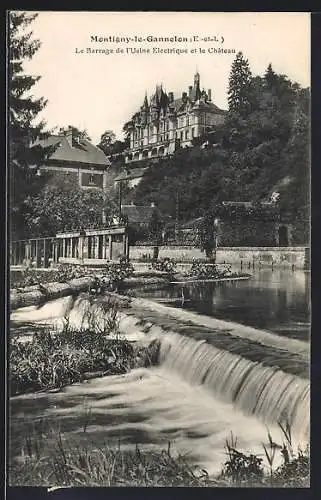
{"x":252,"y":155}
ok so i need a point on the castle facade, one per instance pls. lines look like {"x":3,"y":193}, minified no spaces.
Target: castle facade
{"x":165,"y":124}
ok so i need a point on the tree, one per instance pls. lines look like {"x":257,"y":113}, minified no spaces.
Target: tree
{"x":62,"y":206}
{"x":239,"y":85}
{"x":155,"y":227}
{"x":107,"y":139}
{"x":82,"y":134}
{"x":23,"y":111}
{"x":109,"y":145}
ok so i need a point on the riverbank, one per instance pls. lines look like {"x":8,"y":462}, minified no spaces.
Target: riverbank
{"x":106,"y":467}
{"x":51,"y":458}
{"x":143,"y":407}
{"x":53,"y":358}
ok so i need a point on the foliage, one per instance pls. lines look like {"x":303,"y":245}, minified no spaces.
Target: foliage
{"x":204,"y":270}
{"x":72,"y":465}
{"x":247,"y":470}
{"x":155,"y":227}
{"x":57,"y":359}
{"x":63,"y":273}
{"x":109,"y":145}
{"x":239,"y":85}
{"x":82,"y":134}
{"x":90,"y":464}
{"x":241,"y":467}
{"x":261,"y":148}
{"x":110,"y":276}
{"x":165,"y":265}
{"x":61,"y":206}
{"x":114,"y":274}
{"x":23,"y":126}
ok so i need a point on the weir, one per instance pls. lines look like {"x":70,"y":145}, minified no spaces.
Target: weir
{"x":261,"y":374}
{"x":260,"y":378}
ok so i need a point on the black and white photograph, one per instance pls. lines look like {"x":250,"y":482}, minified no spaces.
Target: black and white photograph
{"x":159,"y":249}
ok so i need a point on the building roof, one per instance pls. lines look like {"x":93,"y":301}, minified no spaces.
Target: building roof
{"x":178,"y":105}
{"x":133,"y":174}
{"x":138,"y":214}
{"x":80,"y":152}
{"x":191,"y":223}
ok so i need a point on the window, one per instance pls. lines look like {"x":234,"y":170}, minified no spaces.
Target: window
{"x":193,"y":132}
{"x":182,"y":135}
{"x":91,"y":180}
{"x":186,"y":134}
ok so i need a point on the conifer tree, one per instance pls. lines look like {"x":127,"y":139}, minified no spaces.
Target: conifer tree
{"x":270,"y":77}
{"x":23,"y":112}
{"x":239,"y":85}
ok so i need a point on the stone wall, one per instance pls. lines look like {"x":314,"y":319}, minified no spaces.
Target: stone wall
{"x":263,"y":256}
{"x":178,"y":253}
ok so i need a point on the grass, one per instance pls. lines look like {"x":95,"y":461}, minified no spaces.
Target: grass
{"x":59,"y":358}
{"x":70,"y":464}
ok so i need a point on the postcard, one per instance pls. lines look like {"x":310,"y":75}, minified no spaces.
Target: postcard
{"x":159,"y":249}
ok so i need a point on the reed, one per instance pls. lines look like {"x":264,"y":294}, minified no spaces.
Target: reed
{"x":89,"y":464}
{"x":54,"y":359}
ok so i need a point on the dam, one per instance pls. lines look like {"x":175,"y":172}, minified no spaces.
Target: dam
{"x":213,"y":377}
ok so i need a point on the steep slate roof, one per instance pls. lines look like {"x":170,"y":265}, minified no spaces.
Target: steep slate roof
{"x":82,"y":152}
{"x":178,"y":104}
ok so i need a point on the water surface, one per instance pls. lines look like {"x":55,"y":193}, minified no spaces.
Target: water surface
{"x":278,"y":300}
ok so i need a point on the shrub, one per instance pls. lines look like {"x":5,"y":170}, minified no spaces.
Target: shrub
{"x":239,"y":466}
{"x":204,"y":270}
{"x":56,"y":359}
{"x":114,"y":274}
{"x":165,"y":265}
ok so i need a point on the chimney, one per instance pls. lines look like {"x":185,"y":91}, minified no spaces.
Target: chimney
{"x":190,"y":88}
{"x":170,"y":96}
{"x":152,"y":204}
{"x":209,"y":93}
{"x":68,"y":135}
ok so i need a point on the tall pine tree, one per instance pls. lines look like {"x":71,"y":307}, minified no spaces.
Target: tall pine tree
{"x":239,"y":85}
{"x":23,"y":127}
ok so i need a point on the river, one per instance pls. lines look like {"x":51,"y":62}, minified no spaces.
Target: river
{"x":278,"y":300}
{"x":171,"y":402}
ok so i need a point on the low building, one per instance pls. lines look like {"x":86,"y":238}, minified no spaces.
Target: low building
{"x":75,"y":156}
{"x":130,"y":178}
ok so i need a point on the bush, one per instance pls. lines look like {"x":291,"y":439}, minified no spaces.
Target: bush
{"x":241,"y":467}
{"x":247,"y":470}
{"x":165,"y":265}
{"x":64,"y":273}
{"x":110,"y":277}
{"x":56,"y":359}
{"x":114,"y":274}
{"x":204,"y":270}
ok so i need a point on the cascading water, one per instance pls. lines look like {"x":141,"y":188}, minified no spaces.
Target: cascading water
{"x":270,"y":394}
{"x":198,"y":395}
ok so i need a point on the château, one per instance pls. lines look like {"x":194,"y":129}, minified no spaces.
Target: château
{"x":163,"y":124}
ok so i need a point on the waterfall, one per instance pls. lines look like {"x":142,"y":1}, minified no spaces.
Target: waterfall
{"x":255,"y":387}
{"x":269,"y":393}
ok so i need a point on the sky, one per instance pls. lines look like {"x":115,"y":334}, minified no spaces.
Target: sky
{"x":99,"y":92}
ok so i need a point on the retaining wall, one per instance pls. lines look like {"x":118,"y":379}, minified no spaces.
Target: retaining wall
{"x":263,"y":256}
